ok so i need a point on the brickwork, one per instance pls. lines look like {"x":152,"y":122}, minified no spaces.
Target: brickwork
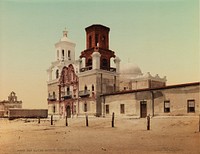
{"x":97,"y":34}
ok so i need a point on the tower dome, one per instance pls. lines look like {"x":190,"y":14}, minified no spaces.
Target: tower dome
{"x":130,"y":71}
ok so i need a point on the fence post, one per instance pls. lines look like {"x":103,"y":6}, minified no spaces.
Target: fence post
{"x":38,"y":120}
{"x":148,"y":122}
{"x":51,"y":119}
{"x":199,"y":122}
{"x":66,"y":123}
{"x":113,"y":118}
{"x":86,"y":120}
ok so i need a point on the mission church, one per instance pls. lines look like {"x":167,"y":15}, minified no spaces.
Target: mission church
{"x":96,"y":84}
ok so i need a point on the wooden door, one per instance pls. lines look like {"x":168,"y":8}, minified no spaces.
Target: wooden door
{"x":143,"y":109}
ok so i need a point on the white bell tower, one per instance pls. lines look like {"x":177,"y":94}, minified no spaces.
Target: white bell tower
{"x":64,"y":56}
{"x":65,"y":49}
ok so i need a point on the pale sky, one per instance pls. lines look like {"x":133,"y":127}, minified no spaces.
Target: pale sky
{"x":160,"y":36}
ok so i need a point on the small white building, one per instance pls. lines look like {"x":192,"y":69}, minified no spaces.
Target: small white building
{"x":11,"y":103}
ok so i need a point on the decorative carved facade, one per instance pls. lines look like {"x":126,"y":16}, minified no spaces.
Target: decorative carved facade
{"x":68,"y":90}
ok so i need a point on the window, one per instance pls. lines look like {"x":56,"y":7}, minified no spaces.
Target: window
{"x":57,"y":73}
{"x":191,"y":106}
{"x":90,"y":42}
{"x":96,"y":40}
{"x":107,"y":109}
{"x":85,"y":88}
{"x":69,"y":54}
{"x":89,"y":62}
{"x":85,"y":107}
{"x":54,"y":95}
{"x":92,"y":87}
{"x":68,"y":92}
{"x":122,"y":108}
{"x":166,"y":106}
{"x":63,"y":54}
{"x":104,"y":63}
{"x":54,"y":109}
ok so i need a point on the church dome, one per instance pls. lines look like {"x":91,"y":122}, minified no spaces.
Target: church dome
{"x":130,"y":70}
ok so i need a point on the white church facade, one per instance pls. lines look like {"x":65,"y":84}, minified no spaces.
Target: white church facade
{"x":97,"y":85}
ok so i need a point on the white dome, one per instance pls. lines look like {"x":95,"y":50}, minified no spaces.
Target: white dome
{"x":130,"y":70}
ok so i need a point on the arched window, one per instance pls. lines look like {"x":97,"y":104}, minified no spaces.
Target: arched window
{"x":69,"y":54}
{"x":103,"y":39}
{"x":54,"y":95}
{"x":90,"y":42}
{"x":57,"y":73}
{"x":68,"y":92}
{"x":104,"y":63}
{"x":96,"y":40}
{"x":92,"y":87}
{"x":85,"y":88}
{"x":63,"y":54}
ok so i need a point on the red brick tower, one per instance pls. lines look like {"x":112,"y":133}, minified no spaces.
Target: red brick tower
{"x":97,"y":39}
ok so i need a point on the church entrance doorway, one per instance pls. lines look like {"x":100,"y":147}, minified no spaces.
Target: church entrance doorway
{"x":68,"y":111}
{"x":143,"y":109}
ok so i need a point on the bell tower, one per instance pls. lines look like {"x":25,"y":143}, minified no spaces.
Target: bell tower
{"x":97,"y":36}
{"x":97,"y":40}
{"x":97,"y":75}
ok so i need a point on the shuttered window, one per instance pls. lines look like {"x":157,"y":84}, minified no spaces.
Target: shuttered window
{"x":191,"y":106}
{"x":166,"y":106}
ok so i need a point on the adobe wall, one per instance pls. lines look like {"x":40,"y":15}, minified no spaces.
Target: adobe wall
{"x":27,"y":113}
{"x":178,"y":98}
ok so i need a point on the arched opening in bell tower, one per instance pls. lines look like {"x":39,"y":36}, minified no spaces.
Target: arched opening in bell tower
{"x":90,"y":41}
{"x":89,"y":63}
{"x":104,"y":63}
{"x":97,"y":40}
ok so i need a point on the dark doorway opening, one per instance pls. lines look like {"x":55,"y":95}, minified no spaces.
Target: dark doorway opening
{"x":143,"y":109}
{"x":68,"y":111}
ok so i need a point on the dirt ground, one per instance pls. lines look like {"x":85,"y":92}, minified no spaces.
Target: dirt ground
{"x":168,"y":135}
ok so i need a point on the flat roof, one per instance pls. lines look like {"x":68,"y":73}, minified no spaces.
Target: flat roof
{"x":151,"y":89}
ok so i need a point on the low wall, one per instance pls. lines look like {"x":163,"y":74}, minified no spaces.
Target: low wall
{"x":27,"y":113}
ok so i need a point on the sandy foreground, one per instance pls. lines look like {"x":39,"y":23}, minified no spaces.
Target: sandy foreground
{"x":177,"y":135}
